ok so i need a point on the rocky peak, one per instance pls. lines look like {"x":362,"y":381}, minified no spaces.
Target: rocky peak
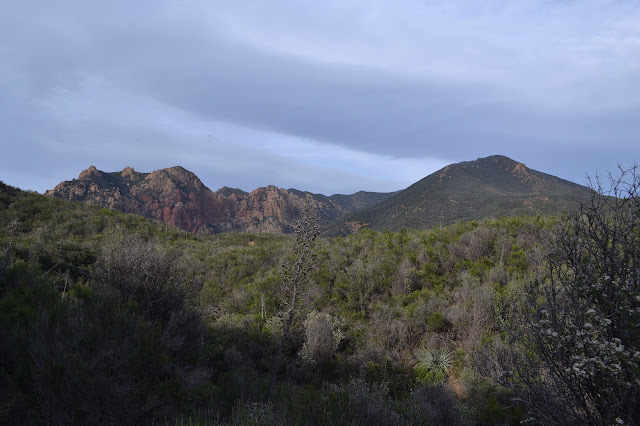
{"x":507,"y":163}
{"x":265,"y":192}
{"x":131,"y":174}
{"x":91,"y":171}
{"x":166,"y":180}
{"x":184,"y":177}
{"x":499,"y":161}
{"x":518,"y":170}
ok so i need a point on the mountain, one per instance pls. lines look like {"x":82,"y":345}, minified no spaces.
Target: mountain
{"x":360,"y":200}
{"x":178,"y":197}
{"x":471,"y":190}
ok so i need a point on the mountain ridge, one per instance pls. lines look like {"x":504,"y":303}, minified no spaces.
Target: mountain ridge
{"x":178,"y":197}
{"x":470,"y":190}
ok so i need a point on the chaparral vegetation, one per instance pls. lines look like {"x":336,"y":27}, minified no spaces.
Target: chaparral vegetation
{"x":107,"y":317}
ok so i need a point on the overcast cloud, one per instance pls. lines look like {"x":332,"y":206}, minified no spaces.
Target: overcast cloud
{"x":330,"y":97}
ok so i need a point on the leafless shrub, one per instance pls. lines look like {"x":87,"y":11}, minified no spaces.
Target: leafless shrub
{"x":255,"y":413}
{"x":471,"y":311}
{"x":473,"y":245}
{"x":433,"y":405}
{"x":499,"y":275}
{"x":322,"y":336}
{"x":371,"y":403}
{"x":406,"y":280}
{"x":141,"y":272}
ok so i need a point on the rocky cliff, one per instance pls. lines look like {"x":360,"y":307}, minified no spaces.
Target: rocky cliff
{"x":176,"y":196}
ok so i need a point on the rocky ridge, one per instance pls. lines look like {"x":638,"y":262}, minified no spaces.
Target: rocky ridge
{"x":178,"y":197}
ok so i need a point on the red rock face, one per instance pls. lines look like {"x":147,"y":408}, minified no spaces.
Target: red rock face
{"x":177,"y":197}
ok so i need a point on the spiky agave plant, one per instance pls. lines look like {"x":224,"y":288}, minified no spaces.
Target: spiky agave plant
{"x":433,"y":364}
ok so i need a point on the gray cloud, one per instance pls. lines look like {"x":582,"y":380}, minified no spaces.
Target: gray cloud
{"x":553,"y":85}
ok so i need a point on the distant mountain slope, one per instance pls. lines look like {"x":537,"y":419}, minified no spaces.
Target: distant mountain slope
{"x":177,"y":197}
{"x":360,"y":200}
{"x":471,"y":190}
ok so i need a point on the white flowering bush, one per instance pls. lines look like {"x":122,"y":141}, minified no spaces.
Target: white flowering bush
{"x":573,"y":354}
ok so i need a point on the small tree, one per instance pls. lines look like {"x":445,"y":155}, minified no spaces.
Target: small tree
{"x":294,"y":273}
{"x":574,"y":351}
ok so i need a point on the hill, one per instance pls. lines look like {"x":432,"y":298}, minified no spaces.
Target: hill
{"x":472,"y":190}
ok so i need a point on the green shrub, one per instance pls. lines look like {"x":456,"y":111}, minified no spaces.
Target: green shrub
{"x":437,"y":322}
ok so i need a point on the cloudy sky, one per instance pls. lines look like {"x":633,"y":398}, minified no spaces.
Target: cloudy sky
{"x":331,"y":96}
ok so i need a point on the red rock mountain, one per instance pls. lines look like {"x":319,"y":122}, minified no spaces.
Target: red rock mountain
{"x":176,"y":196}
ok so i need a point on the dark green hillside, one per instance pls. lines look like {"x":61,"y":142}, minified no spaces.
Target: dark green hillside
{"x":360,"y":200}
{"x":111,"y":318}
{"x":488,"y":187}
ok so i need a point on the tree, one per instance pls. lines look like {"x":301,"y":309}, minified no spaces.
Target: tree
{"x":572,"y":355}
{"x":295,"y":270}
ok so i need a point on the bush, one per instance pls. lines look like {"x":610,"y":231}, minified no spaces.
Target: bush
{"x":432,"y":405}
{"x":322,"y":337}
{"x":437,"y":322}
{"x":371,"y":403}
{"x":93,"y":362}
{"x":573,"y":354}
{"x":151,"y":279}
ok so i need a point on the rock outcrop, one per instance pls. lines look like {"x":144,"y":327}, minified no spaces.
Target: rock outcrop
{"x":178,"y":197}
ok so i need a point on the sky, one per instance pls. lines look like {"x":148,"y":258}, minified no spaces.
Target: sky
{"x":330,"y":97}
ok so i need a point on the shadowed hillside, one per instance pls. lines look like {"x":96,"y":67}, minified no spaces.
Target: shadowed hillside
{"x":472,"y":190}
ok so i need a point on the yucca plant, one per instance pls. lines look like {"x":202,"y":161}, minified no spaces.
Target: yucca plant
{"x":433,"y":364}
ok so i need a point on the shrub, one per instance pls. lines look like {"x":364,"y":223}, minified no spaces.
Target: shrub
{"x":436,"y":321}
{"x":573,"y":356}
{"x":150,"y":278}
{"x":433,"y":364}
{"x":371,"y":403}
{"x":322,"y":336}
{"x":432,"y":405}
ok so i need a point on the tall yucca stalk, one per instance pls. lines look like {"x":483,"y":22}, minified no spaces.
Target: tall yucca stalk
{"x":294,"y":272}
